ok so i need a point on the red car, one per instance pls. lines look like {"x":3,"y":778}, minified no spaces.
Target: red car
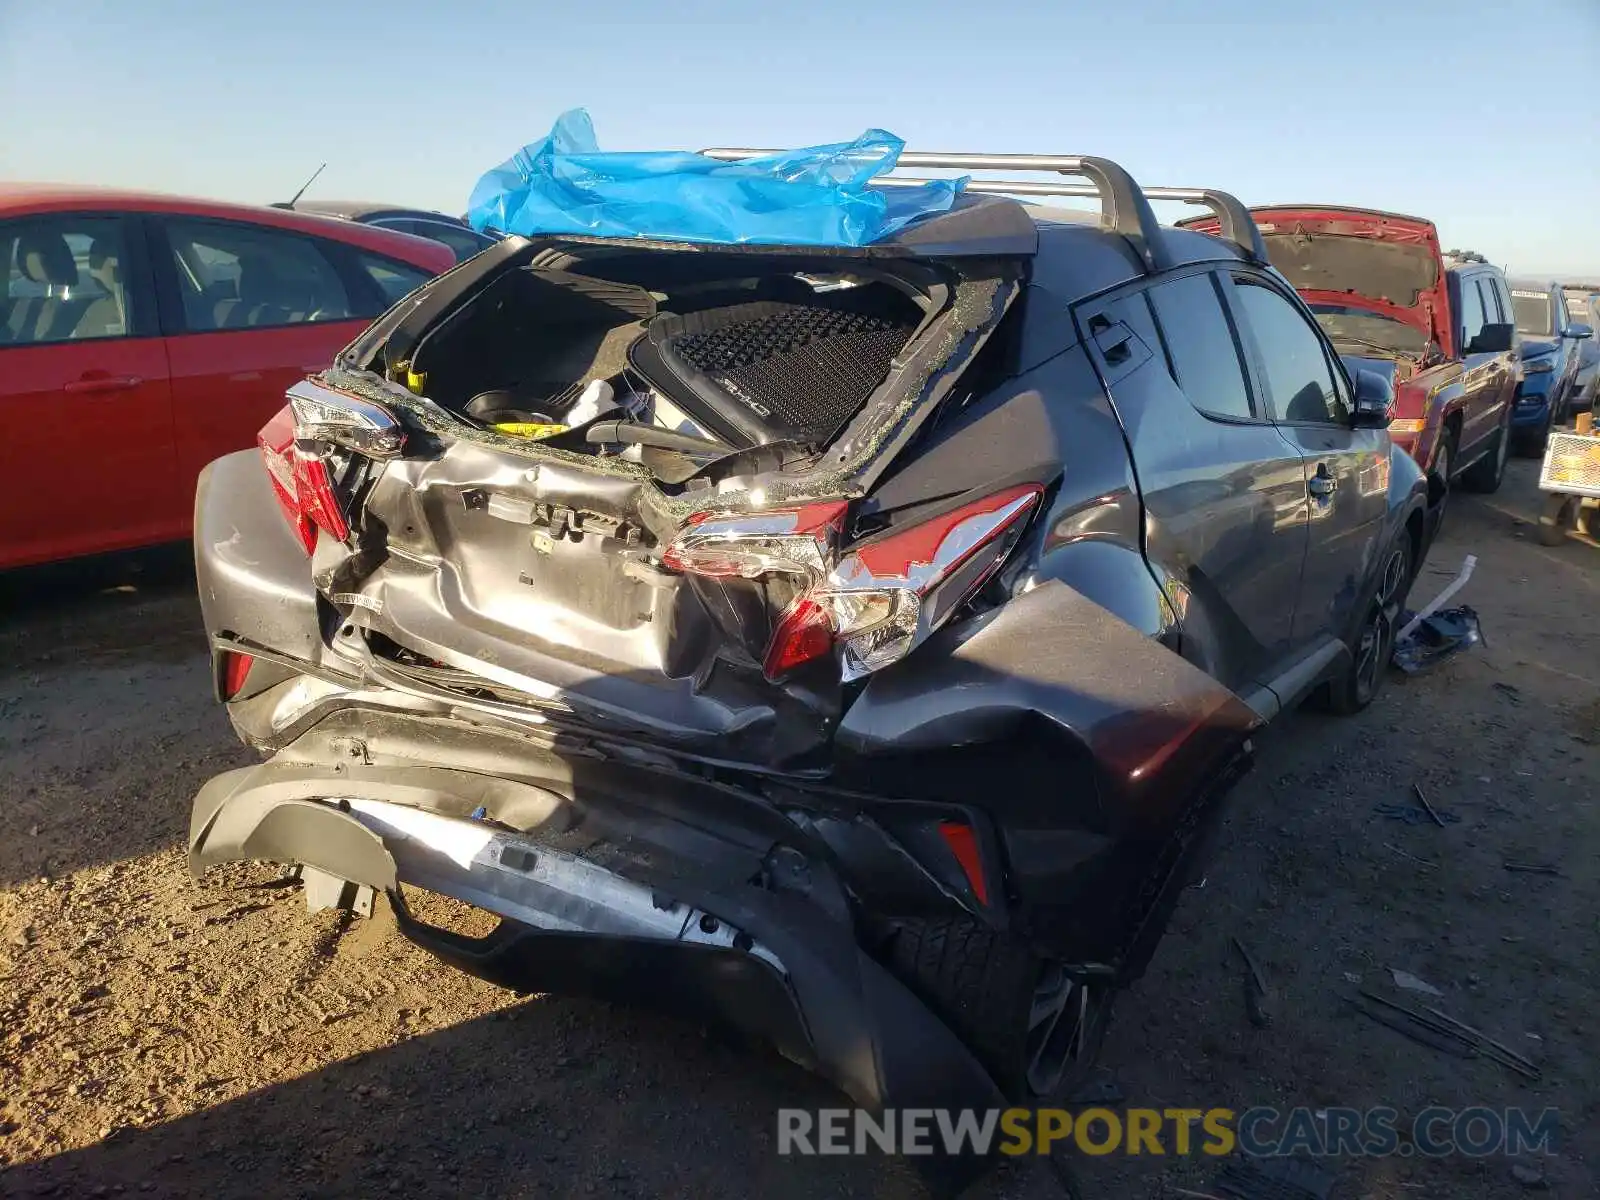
{"x":1438,"y":326}
{"x":142,"y":336}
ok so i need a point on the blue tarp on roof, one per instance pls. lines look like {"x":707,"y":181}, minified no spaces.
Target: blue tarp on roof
{"x":816,"y":196}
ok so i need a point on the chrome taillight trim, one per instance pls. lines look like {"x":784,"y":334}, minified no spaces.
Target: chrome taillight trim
{"x":324,"y":415}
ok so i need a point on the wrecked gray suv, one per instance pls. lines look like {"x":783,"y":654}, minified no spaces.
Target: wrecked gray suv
{"x":851,"y":645}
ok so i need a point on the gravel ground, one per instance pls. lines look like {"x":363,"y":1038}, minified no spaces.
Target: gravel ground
{"x":166,"y":1038}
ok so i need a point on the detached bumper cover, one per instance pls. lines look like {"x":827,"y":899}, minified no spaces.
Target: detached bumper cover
{"x":776,"y":965}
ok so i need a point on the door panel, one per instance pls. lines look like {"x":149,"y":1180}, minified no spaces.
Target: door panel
{"x":1488,"y":379}
{"x":1224,"y":494}
{"x":226,"y":386}
{"x":249,"y":311}
{"x":84,"y":399}
{"x":1346,"y":470}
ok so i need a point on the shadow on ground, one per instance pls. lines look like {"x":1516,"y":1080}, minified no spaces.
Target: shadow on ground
{"x":487,"y":1108}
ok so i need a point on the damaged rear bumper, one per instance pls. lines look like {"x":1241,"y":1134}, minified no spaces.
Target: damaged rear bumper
{"x":773,"y":963}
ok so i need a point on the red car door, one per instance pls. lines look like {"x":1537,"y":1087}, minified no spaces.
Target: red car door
{"x":249,"y":311}
{"x":86,"y":435}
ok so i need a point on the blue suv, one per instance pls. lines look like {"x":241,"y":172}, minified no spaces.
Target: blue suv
{"x":1549,"y":343}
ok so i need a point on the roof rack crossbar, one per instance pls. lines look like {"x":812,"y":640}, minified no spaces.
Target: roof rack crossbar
{"x":1124,"y":205}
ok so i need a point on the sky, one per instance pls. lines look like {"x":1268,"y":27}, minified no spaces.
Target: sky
{"x":1478,"y":115}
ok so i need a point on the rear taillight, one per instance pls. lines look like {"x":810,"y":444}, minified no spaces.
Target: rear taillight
{"x":963,"y":843}
{"x":890,"y":594}
{"x":791,"y":541}
{"x":296,"y":446}
{"x":871,"y":604}
{"x":301,"y":483}
{"x":235,"y":670}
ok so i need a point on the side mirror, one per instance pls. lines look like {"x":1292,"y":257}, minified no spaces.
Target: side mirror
{"x":1492,"y":339}
{"x":1374,"y":401}
{"x":1579,"y":331}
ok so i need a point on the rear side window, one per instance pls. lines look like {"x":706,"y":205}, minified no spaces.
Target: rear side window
{"x":394,"y":279}
{"x":237,"y":276}
{"x":1472,"y":314}
{"x":1498,"y":286}
{"x":1299,"y":377}
{"x":1491,"y":301}
{"x":1200,"y":344}
{"x":66,"y":280}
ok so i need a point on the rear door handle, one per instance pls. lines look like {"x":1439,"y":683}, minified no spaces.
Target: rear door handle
{"x":110,"y":383}
{"x":1322,"y":485}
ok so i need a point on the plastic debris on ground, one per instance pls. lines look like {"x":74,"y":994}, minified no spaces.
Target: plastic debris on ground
{"x":1436,"y":637}
{"x":815,"y":196}
{"x":1406,"y":981}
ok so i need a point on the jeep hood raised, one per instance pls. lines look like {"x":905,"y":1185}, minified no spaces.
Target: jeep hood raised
{"x":1380,"y":262}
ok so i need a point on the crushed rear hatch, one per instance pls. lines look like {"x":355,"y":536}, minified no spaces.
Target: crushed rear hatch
{"x":573,"y":414}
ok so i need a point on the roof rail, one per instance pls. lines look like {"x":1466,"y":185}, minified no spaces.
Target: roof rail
{"x":1124,"y":205}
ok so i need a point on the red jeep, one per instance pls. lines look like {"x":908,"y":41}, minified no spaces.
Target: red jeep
{"x":1438,"y":326}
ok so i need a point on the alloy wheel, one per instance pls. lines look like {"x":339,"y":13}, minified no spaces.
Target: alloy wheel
{"x":1065,"y":1022}
{"x":1377,"y":636}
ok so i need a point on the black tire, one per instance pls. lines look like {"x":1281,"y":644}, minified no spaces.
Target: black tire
{"x":984,"y":985}
{"x":1444,"y":461}
{"x":1374,"y":640}
{"x":1486,"y":475}
{"x":1532,"y":444}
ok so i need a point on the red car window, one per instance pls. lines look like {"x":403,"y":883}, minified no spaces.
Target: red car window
{"x":64,"y":280}
{"x":236,"y":276}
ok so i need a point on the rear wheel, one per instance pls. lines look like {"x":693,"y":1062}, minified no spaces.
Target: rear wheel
{"x":1488,"y":472}
{"x":1036,"y":1027}
{"x":1374,"y":643}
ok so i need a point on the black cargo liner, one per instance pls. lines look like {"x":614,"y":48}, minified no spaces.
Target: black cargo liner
{"x":769,"y":371}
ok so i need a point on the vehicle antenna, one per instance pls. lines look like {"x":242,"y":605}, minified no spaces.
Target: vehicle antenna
{"x":305,"y":185}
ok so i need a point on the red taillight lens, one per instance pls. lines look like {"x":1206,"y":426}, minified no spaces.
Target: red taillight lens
{"x":963,"y":844}
{"x":235,"y":670}
{"x":886,"y":597}
{"x":804,"y":635}
{"x":301,"y":483}
{"x":875,"y":603}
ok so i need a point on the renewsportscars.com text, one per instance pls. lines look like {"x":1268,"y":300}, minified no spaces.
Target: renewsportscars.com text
{"x":1260,"y":1132}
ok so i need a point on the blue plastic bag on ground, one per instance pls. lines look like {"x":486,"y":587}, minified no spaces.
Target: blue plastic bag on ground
{"x":816,"y":196}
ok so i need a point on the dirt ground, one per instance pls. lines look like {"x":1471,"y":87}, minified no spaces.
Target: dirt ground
{"x":167,"y":1038}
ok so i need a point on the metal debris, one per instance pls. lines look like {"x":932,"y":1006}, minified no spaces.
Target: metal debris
{"x":1527,"y":868}
{"x":1421,"y":862}
{"x":1484,"y":1039}
{"x":1257,"y":994}
{"x":1423,"y":1035}
{"x":1428,"y":808}
{"x":1438,"y":1029}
